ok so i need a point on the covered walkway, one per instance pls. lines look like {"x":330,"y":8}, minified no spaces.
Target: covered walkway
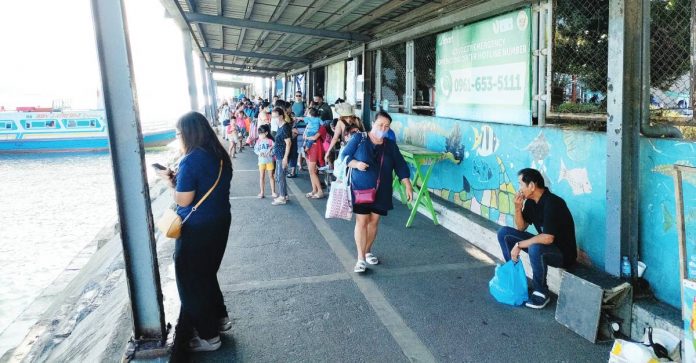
{"x":292,"y":296}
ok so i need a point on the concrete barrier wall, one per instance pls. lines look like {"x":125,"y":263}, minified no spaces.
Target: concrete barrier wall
{"x":574,"y":167}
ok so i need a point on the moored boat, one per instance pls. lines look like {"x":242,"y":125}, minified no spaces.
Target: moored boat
{"x":64,"y":131}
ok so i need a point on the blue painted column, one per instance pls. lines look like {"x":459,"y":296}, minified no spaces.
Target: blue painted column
{"x":190,"y":76}
{"x":625,"y":104}
{"x":130,"y":178}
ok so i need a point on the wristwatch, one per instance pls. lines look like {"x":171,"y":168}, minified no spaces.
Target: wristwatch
{"x":518,"y":245}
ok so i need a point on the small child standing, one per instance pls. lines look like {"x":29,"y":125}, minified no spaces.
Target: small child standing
{"x":233,"y":139}
{"x":264,"y":149}
{"x":312,"y":129}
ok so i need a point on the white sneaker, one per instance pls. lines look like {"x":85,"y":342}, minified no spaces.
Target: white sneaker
{"x":225,"y":324}
{"x":198,"y":344}
{"x":371,"y":259}
{"x":360,"y":266}
{"x":279,"y":201}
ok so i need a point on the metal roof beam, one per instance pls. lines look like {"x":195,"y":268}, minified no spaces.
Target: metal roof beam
{"x":446,"y":22}
{"x":242,"y":67}
{"x":232,"y":84}
{"x":241,"y":73}
{"x":281,"y":28}
{"x":276,"y":14}
{"x":238,"y":53}
{"x":311,"y":10}
{"x":377,"y":13}
{"x":242,"y":32}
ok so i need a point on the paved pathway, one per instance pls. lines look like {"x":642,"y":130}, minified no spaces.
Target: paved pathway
{"x":292,"y":296}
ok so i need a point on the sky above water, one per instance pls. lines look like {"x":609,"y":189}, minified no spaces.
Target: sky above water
{"x":49,"y":53}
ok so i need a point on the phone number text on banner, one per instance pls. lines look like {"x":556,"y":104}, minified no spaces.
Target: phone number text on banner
{"x":483,"y":70}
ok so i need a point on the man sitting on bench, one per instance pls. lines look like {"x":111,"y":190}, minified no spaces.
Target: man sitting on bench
{"x":555,"y":243}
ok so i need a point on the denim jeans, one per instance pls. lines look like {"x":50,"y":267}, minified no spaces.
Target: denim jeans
{"x":280,"y":176}
{"x":540,"y":255}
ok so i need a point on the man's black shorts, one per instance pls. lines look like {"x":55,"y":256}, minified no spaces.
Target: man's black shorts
{"x":367,"y":209}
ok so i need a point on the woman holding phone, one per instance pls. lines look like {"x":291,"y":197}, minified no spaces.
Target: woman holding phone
{"x":205,"y":168}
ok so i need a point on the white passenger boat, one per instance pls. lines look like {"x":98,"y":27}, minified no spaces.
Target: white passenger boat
{"x":64,"y":131}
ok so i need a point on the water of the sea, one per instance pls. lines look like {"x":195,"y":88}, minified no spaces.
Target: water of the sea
{"x":51,"y":207}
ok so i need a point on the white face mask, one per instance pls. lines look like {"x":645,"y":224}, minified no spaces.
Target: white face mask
{"x":275,"y":119}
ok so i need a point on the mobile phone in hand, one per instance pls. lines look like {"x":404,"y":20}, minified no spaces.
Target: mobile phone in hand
{"x":159,"y":166}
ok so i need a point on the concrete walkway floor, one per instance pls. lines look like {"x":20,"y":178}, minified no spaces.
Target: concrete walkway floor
{"x":292,"y":296}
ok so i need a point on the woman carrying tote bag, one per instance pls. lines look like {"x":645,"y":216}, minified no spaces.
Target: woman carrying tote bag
{"x":372,"y":158}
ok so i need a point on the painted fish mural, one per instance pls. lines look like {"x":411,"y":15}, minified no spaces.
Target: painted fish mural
{"x":576,"y":178}
{"x":578,"y":145}
{"x":453,"y":144}
{"x":490,"y":194}
{"x":539,"y":150}
{"x":485,"y":141}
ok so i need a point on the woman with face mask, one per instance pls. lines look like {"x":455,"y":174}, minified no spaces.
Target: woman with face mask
{"x":281,"y":152}
{"x":372,"y":158}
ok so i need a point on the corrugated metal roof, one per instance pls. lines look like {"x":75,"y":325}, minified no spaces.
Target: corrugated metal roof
{"x":327,"y":20}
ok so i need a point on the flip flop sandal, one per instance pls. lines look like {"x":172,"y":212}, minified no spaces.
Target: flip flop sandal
{"x":309,"y":195}
{"x":371,"y":259}
{"x":317,"y":196}
{"x":360,"y":266}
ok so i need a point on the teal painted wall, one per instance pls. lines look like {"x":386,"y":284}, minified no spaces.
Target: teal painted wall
{"x":574,"y":166}
{"x":659,"y":247}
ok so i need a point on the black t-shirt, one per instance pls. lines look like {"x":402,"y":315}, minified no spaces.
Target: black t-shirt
{"x":551,"y":216}
{"x":325,"y":112}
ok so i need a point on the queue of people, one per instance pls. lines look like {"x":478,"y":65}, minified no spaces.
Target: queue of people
{"x":282,"y":139}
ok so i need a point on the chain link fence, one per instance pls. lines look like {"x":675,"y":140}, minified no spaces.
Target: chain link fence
{"x":424,"y":70}
{"x":394,"y":77}
{"x":670,"y":70}
{"x":579,"y":77}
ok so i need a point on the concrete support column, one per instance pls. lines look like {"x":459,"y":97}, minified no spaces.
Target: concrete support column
{"x":190,"y":76}
{"x":205,"y":104}
{"x":213,"y":94}
{"x":310,"y":84}
{"x":285,"y":86}
{"x":378,"y":80}
{"x":410,"y":77}
{"x":368,"y":73}
{"x":624,"y":107}
{"x":130,"y":178}
{"x":273,"y":89}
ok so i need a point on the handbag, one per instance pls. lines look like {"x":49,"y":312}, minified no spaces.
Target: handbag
{"x":339,"y":204}
{"x":367,"y":196}
{"x":170,"y":223}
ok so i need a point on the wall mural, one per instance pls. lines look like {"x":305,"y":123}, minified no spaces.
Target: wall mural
{"x":573,"y":164}
{"x":658,"y":232}
{"x":485,"y":181}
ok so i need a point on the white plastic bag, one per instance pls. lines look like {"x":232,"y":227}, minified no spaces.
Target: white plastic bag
{"x":340,"y":168}
{"x":339,"y":204}
{"x":628,"y":352}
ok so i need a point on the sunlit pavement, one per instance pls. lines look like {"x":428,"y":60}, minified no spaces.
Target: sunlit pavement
{"x":292,"y":296}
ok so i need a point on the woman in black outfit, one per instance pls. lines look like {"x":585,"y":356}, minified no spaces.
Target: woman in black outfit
{"x":198,"y":252}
